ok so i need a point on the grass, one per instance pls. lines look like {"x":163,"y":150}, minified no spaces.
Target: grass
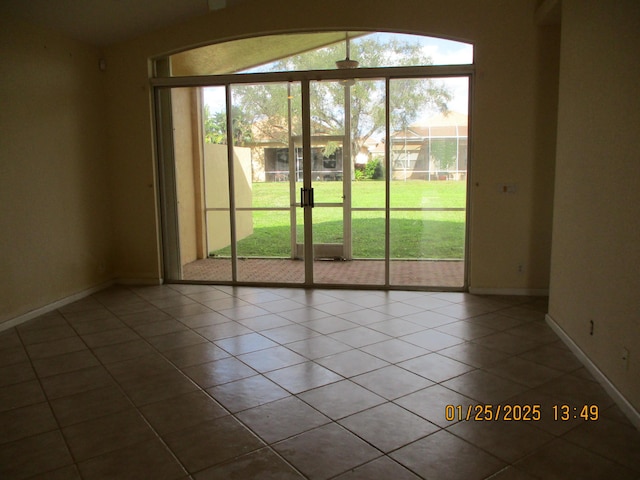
{"x":413,"y":234}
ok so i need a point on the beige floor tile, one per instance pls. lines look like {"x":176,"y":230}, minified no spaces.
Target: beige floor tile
{"x":395,"y":327}
{"x":431,"y":340}
{"x":75,"y":382}
{"x":524,"y":371}
{"x":560,"y":460}
{"x":435,"y":457}
{"x":140,"y":369}
{"x":89,"y":405}
{"x":248,"y":343}
{"x":473,"y":354}
{"x":55,"y":347}
{"x":149,"y":330}
{"x":511,"y":473}
{"x":496,"y":321}
{"x":435,"y":367}
{"x":484,"y":387}
{"x":65,"y":363}
{"x":578,"y":391}
{"x":394,"y":350}
{"x":382,"y":468}
{"x":18,"y":373}
{"x":203,"y":319}
{"x":466,"y":329}
{"x":110,"y":337}
{"x":247,"y":393}
{"x":9,"y":339}
{"x":302,"y":377}
{"x":429,"y":319}
{"x":507,"y":440}
{"x":98,"y":325}
{"x":158,"y":387}
{"x":326,"y":451}
{"x":182,"y":412}
{"x":265,"y":322}
{"x":124,"y":370}
{"x":106,"y":434}
{"x":262,"y":464}
{"x":289,"y":333}
{"x":271,"y":359}
{"x":317,"y":347}
{"x":171,"y":341}
{"x":365,"y":317}
{"x":195,"y":354}
{"x":392,"y":382}
{"x":341,"y":399}
{"x":212,"y":443}
{"x":507,"y":343}
{"x":360,"y":336}
{"x":26,"y":421}
{"x":431,"y":402}
{"x":282,"y":419}
{"x":351,"y":363}
{"x":149,"y":459}
{"x":329,"y":325}
{"x":34,"y":455}
{"x":13,"y":355}
{"x":221,"y":371}
{"x":222,"y":330}
{"x":40,"y":335}
{"x":123,"y":351}
{"x":388,"y":426}
{"x":69,"y":472}
{"x":620,"y":443}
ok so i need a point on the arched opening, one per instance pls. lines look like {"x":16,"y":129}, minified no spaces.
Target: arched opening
{"x":332,"y":158}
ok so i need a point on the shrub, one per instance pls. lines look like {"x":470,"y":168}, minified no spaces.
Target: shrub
{"x":373,"y":170}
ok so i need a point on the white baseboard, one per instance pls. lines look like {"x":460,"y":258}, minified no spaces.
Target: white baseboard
{"x":529,"y":292}
{"x":631,"y":413}
{"x":143,"y":282}
{"x":25,"y":317}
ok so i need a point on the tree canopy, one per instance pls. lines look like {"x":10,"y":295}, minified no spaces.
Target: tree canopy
{"x":267,"y":108}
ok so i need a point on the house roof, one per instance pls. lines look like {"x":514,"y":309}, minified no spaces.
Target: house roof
{"x":448,"y":124}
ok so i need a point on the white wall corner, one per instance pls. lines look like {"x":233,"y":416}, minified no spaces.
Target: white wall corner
{"x":631,"y":413}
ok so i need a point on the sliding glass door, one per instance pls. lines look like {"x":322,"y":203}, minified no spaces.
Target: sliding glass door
{"x":303,"y":181}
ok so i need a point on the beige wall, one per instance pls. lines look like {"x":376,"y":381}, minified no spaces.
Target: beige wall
{"x":55,"y":224}
{"x":513,"y":118}
{"x":596,"y":249}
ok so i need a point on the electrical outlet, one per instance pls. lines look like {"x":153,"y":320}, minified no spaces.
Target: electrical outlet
{"x":625,"y":357}
{"x":520,"y":268}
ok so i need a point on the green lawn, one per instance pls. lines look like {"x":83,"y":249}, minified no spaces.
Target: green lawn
{"x":414,"y":234}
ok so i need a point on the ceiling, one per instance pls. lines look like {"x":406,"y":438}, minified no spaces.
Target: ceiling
{"x":104,"y":22}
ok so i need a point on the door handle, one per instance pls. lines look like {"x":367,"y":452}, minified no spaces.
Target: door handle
{"x":306,"y":197}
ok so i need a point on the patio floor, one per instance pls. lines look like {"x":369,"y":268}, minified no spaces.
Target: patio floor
{"x":416,"y":273}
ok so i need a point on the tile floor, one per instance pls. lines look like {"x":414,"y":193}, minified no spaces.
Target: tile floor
{"x":205,"y":382}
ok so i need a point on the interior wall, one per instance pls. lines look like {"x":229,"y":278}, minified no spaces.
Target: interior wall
{"x":55,"y":224}
{"x":512,"y":121}
{"x":596,"y":227}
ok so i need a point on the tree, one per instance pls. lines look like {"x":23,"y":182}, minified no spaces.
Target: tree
{"x":267,"y":109}
{"x":215,"y":127}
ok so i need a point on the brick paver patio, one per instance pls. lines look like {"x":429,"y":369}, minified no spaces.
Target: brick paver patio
{"x":426,"y":273}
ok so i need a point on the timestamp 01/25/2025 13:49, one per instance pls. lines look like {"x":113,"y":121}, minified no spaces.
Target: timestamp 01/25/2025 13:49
{"x":520,"y":413}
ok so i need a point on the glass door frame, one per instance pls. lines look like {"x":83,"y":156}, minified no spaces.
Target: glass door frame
{"x":172,"y":271}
